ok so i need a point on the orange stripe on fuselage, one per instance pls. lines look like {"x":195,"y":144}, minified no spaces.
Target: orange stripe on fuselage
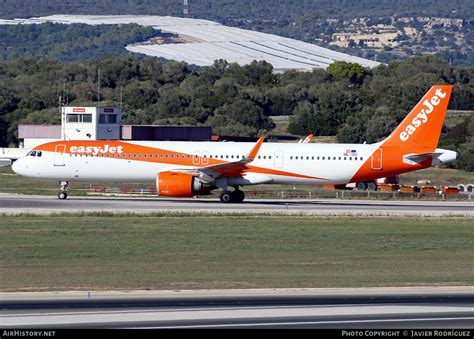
{"x":127,"y":151}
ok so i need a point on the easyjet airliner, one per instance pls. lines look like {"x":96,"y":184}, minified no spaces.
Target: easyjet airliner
{"x":185,"y":169}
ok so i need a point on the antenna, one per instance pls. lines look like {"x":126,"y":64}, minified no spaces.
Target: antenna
{"x":186,"y":8}
{"x":98,"y":84}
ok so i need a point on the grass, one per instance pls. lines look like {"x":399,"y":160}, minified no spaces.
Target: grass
{"x":438,"y":177}
{"x":99,"y":252}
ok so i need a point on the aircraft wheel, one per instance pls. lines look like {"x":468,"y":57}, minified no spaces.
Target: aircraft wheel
{"x":226,"y":197}
{"x":238,"y":196}
{"x":371,"y":186}
{"x":362,"y":186}
{"x":62,"y":195}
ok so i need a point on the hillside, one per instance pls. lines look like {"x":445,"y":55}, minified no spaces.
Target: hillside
{"x":413,"y":28}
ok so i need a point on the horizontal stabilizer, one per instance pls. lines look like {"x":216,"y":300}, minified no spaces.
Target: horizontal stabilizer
{"x":421,"y":157}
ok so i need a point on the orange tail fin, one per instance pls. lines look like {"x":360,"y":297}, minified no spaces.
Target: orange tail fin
{"x":422,"y":127}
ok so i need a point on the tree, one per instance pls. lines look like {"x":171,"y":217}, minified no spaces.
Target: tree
{"x":353,"y":72}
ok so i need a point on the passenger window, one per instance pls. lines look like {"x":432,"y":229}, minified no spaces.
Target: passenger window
{"x":350,"y":158}
{"x":270,"y":157}
{"x":324,"y":158}
{"x":355,"y":158}
{"x":339,"y":158}
{"x":345,"y":158}
{"x":318,"y":158}
{"x":291,"y":158}
{"x":361,"y":158}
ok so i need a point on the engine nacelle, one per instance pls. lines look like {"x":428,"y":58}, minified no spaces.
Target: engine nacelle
{"x":174,"y":184}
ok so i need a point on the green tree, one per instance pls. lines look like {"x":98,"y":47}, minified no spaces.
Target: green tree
{"x":353,"y":72}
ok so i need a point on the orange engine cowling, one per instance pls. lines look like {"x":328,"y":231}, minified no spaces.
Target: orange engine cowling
{"x":173,"y":184}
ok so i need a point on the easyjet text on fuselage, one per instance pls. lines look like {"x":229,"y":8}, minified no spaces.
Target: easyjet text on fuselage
{"x":96,"y":149}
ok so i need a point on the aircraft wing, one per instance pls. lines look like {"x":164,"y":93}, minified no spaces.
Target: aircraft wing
{"x":229,"y":169}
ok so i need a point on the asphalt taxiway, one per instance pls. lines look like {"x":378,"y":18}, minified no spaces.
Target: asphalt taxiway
{"x":17,"y":204}
{"x":405,"y":308}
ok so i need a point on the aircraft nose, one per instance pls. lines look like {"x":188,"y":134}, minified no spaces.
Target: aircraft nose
{"x":18,"y":166}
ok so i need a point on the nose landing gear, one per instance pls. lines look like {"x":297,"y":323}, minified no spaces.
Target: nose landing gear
{"x":62,"y":194}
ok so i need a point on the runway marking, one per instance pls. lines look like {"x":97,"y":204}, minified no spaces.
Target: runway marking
{"x":385,"y":308}
{"x":328,"y":322}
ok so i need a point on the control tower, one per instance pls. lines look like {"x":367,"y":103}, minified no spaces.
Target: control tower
{"x":91,"y":123}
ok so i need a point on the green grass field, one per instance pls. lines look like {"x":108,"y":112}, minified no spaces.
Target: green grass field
{"x":99,"y":252}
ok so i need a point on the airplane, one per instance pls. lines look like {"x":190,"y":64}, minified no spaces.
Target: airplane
{"x":186,"y":169}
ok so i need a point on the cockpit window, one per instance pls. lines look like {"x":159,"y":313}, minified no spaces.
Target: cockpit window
{"x":34,"y":154}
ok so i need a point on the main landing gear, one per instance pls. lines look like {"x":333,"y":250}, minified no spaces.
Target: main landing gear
{"x":236,"y":196}
{"x":62,"y":194}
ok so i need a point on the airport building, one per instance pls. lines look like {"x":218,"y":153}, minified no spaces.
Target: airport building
{"x":104,"y":123}
{"x":77,"y":123}
{"x":97,"y":123}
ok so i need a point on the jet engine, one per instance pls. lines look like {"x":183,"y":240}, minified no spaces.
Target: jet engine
{"x":174,"y":184}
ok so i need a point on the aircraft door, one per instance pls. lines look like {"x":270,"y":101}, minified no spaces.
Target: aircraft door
{"x":196,"y":158}
{"x":59,"y":155}
{"x":376,"y":161}
{"x":278,"y":157}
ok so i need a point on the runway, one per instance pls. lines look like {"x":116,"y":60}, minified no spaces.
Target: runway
{"x":16,"y":204}
{"x":374,"y":308}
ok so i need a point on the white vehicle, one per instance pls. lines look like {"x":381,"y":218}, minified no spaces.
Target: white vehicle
{"x":185,"y":169}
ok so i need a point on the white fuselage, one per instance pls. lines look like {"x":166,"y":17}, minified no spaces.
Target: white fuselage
{"x":277,"y":163}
